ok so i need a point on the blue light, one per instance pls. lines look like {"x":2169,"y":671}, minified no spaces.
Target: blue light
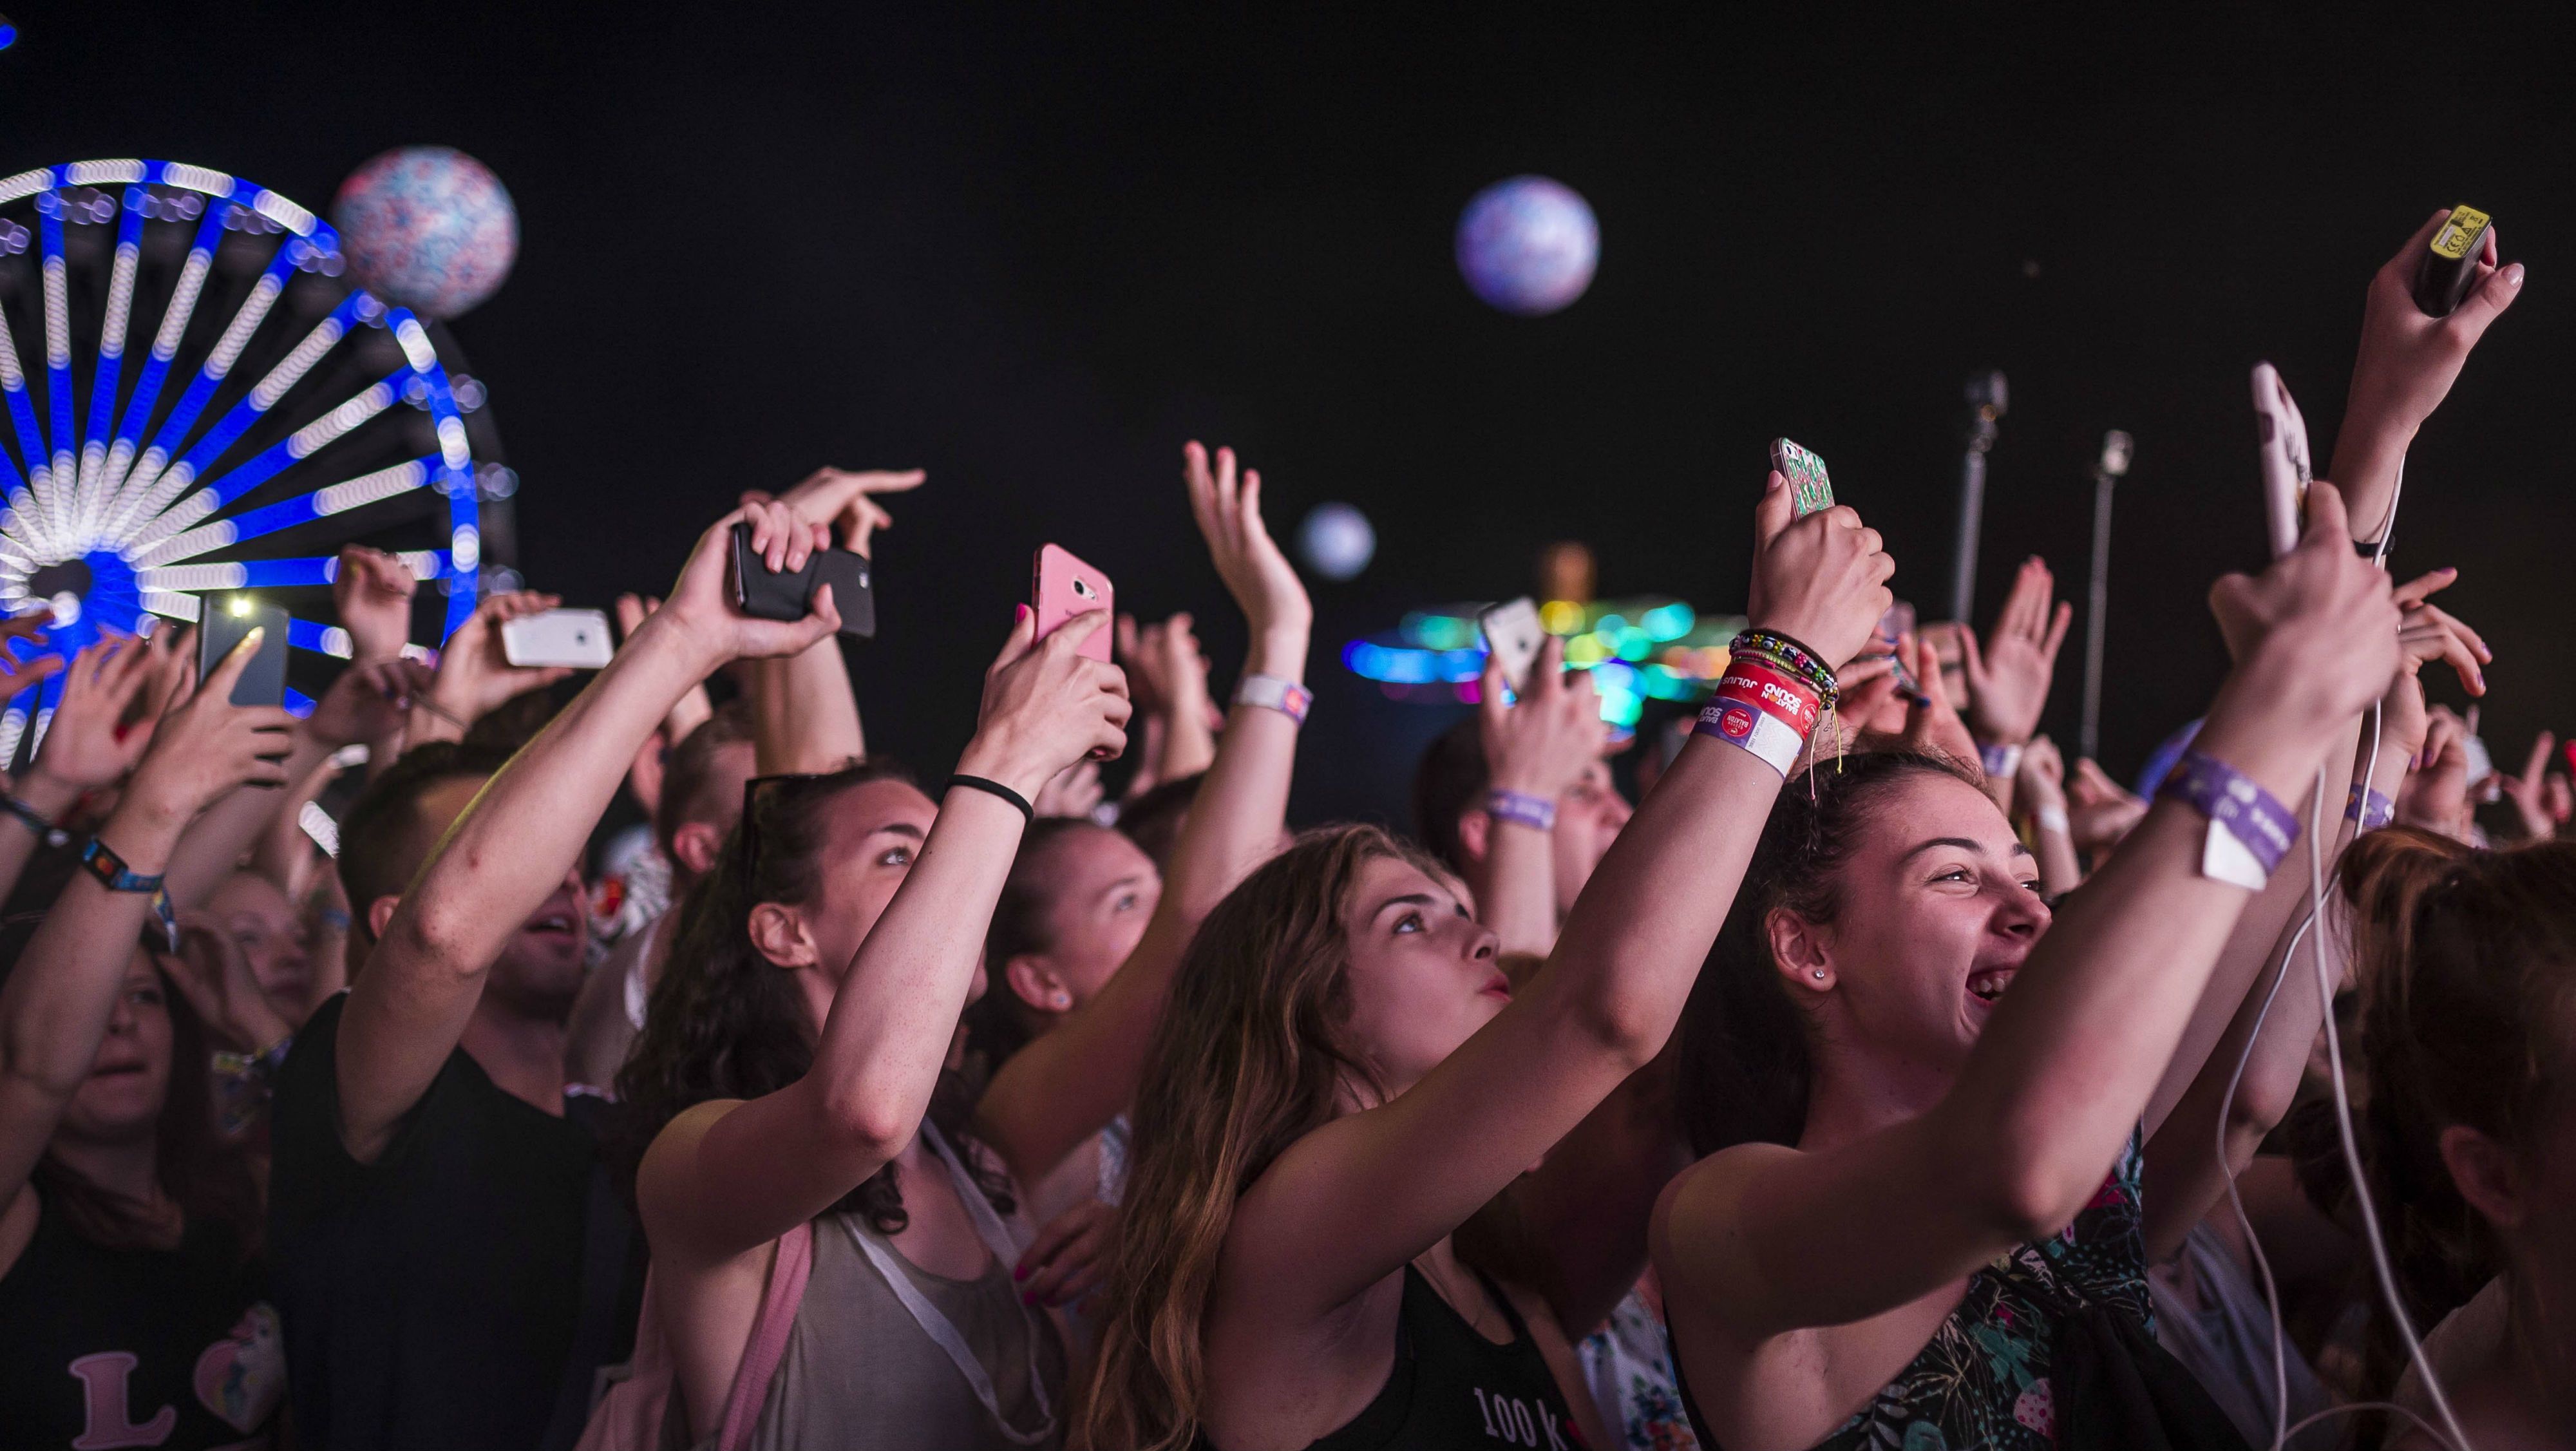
{"x":8,"y":35}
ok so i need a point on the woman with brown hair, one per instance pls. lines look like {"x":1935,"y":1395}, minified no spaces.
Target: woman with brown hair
{"x":2469,"y":1025}
{"x":1343,"y":1076}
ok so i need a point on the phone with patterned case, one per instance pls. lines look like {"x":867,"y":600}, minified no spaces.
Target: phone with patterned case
{"x":1805,"y":472}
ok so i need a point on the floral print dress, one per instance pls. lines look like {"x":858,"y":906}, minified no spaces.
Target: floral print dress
{"x":1983,"y":1382}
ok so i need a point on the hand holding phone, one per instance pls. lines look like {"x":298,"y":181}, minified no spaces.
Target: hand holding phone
{"x":1064,"y":587}
{"x":788,"y":594}
{"x":2283,"y":438}
{"x":1808,"y":484}
{"x":2449,"y":266}
{"x":1513,"y":636}
{"x":569,"y":639}
{"x":222,"y":622}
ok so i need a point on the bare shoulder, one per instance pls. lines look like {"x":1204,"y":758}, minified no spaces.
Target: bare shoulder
{"x":666,"y":1182}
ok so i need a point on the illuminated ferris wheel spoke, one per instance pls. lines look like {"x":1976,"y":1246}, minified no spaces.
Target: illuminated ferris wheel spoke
{"x":111,"y":355}
{"x":168,"y":518}
{"x":58,"y":368}
{"x":321,"y":503}
{"x":218,"y":366}
{"x":31,"y":441}
{"x":165,"y":347}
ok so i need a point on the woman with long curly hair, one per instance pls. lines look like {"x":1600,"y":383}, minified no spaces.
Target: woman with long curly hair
{"x":1343,"y":1076}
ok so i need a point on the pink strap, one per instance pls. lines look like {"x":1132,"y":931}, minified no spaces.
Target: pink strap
{"x":778,"y":1301}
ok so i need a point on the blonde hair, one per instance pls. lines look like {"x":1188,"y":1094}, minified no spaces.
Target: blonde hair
{"x":1249,"y":1057}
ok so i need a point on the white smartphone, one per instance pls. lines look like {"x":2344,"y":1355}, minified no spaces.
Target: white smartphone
{"x":575,"y":638}
{"x":1513,"y":636}
{"x":2284,"y":440}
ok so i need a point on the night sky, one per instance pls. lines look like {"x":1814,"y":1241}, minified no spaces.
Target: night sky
{"x":1033,"y":250}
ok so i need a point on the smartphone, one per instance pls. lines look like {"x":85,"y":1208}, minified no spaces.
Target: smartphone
{"x":1806,"y":475}
{"x":766,"y":594}
{"x":2284,"y":440}
{"x":1064,"y":587}
{"x":575,"y":638}
{"x":1513,"y":636}
{"x":2450,"y":263}
{"x":221,"y":624}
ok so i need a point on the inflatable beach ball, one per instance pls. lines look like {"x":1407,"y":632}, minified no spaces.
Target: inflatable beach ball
{"x":428,"y":228}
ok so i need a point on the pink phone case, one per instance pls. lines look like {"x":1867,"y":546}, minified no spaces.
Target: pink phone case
{"x":1066,"y":587}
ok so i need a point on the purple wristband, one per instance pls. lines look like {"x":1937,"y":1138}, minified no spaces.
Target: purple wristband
{"x":2372,"y":817}
{"x":2230,"y":799}
{"x":1521,"y":809}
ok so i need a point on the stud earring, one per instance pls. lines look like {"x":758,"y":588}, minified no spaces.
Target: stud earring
{"x":1060,"y":1001}
{"x":1820,"y":974}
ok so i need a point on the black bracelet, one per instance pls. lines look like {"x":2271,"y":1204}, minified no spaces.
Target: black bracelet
{"x":46,"y":831}
{"x":1028,"y":813}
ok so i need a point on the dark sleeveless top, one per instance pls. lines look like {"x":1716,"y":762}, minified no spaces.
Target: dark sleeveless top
{"x":2052,"y":1344}
{"x":174,"y":1348}
{"x":1450,"y":1387}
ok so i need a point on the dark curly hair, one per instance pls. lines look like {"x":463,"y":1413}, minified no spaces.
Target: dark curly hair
{"x":1744,"y":1067}
{"x":726,"y":1022}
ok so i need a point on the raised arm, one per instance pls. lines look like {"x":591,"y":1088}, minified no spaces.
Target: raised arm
{"x":805,"y":716}
{"x":2041,"y":787}
{"x":2405,"y":368}
{"x":1356,"y":1199}
{"x":1769,"y":1239}
{"x":87,"y":746}
{"x":728,"y":1176}
{"x":1535,"y":750}
{"x":2008,"y":677}
{"x":2186,"y":1170}
{"x":475,"y":676}
{"x":1067,"y":1084}
{"x":55,"y":1004}
{"x":527,"y":828}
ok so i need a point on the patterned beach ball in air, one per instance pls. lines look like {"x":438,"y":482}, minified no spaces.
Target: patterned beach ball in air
{"x":1527,"y":245}
{"x":427,"y":227}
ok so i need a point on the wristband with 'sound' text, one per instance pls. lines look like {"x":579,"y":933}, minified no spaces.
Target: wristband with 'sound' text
{"x":2000,"y":762}
{"x":2371,"y":815}
{"x":1272,"y":693}
{"x":2250,"y":831}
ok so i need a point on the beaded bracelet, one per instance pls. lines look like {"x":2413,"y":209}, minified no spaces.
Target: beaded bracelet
{"x":1781,"y":650}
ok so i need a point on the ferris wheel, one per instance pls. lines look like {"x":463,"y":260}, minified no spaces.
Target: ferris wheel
{"x":197,"y":402}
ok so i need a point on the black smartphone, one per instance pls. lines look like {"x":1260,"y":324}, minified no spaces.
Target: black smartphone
{"x":765,"y":594}
{"x":221,"y":624}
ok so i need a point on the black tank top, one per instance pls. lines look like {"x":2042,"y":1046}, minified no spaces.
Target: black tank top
{"x":1450,"y":1387}
{"x":175,"y":1348}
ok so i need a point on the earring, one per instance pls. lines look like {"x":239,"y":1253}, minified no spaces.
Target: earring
{"x":1060,"y":1001}
{"x":1820,"y":974}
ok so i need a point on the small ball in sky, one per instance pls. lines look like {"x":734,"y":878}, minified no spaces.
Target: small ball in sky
{"x":1336,"y":540}
{"x":427,"y":227}
{"x":1527,"y":245}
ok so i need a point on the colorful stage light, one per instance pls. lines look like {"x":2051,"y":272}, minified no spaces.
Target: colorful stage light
{"x":1655,"y":648}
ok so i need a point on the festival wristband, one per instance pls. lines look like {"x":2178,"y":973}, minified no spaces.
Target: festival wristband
{"x":2001,"y":762}
{"x":2250,"y":831}
{"x":2375,"y":815}
{"x":1028,"y":813}
{"x":2053,"y":818}
{"x":102,"y":862}
{"x":1521,"y":809}
{"x":1762,"y":711}
{"x":46,"y":832}
{"x":1269,"y":692}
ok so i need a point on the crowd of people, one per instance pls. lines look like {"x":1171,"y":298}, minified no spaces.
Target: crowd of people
{"x":1880,"y":1079}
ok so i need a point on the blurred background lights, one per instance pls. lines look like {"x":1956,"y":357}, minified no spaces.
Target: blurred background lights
{"x":1527,"y":245}
{"x":8,"y":33}
{"x":1336,"y":540}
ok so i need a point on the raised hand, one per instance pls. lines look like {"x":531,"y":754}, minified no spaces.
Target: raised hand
{"x":700,"y":608}
{"x":1073,"y":791}
{"x":2099,"y":810}
{"x":1540,"y":744}
{"x":2008,"y":676}
{"x":92,"y":743}
{"x":215,"y":975}
{"x":2408,"y":360}
{"x":1227,"y":506}
{"x":475,"y":676}
{"x":2041,"y":781}
{"x":368,"y":701}
{"x":207,"y":745}
{"x":1046,"y":706}
{"x":2316,"y":633}
{"x":1932,"y":724}
{"x":845,"y":500}
{"x":2425,"y":634}
{"x":2435,"y":793}
{"x":2539,"y":796}
{"x":1166,"y":670}
{"x":372,"y":592}
{"x":1820,"y":580}
{"x":16,"y":674}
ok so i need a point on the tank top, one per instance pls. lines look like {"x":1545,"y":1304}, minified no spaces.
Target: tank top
{"x":1991,"y":1375}
{"x":1450,"y":1387}
{"x":863,"y":1373}
{"x":173,"y":1348}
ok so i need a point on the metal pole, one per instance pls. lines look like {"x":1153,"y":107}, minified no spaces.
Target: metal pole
{"x":1986,"y":397}
{"x":2114,"y":463}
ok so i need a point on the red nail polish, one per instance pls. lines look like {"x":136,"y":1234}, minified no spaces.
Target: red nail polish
{"x":1020,"y":1272}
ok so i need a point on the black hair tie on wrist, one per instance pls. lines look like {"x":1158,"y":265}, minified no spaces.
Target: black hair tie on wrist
{"x":1028,"y":813}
